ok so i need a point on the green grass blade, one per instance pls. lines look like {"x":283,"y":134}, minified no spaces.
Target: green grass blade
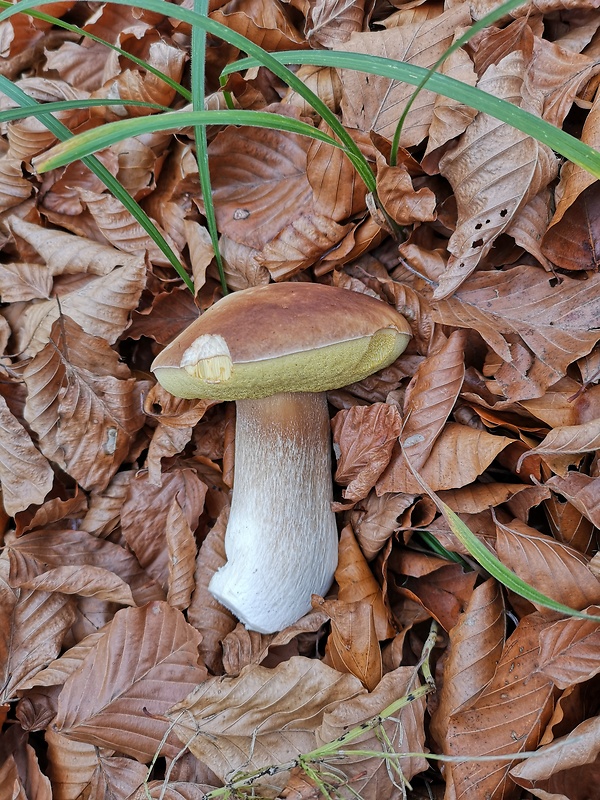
{"x":63,"y":133}
{"x":81,"y":32}
{"x":94,"y":139}
{"x":245,"y":45}
{"x":484,"y":22}
{"x":198,"y":80}
{"x":496,"y":568}
{"x":579,"y":153}
{"x":12,"y":114}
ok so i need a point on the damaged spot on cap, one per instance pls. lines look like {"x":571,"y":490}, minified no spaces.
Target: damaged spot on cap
{"x":208,"y":358}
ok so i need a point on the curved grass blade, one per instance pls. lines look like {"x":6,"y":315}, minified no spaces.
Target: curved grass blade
{"x":198,"y":79}
{"x":12,"y":114}
{"x":245,"y":45}
{"x":579,"y":153}
{"x":81,"y":32}
{"x":119,"y":191}
{"x":83,"y":144}
{"x":496,"y":568}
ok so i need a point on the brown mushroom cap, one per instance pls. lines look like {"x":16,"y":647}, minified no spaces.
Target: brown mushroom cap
{"x":283,"y":337}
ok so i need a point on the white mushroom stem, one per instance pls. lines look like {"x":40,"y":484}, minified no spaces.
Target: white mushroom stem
{"x":281,"y":541}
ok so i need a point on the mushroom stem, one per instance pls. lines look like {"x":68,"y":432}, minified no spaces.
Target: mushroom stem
{"x":281,"y":541}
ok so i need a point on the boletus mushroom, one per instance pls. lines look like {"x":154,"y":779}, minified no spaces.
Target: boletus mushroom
{"x":276,"y":350}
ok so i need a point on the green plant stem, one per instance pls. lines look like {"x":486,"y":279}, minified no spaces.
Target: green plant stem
{"x":198,"y":81}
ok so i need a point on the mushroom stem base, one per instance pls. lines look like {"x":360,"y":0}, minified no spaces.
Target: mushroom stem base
{"x":281,"y":541}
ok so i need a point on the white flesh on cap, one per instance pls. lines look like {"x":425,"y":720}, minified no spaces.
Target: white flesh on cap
{"x":281,"y":541}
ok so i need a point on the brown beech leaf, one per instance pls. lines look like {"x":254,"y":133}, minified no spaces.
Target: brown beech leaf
{"x":86,"y":581}
{"x":402,"y":202}
{"x":357,"y":583}
{"x":551,"y":567}
{"x":57,"y":672}
{"x":33,"y":554}
{"x":104,"y":511}
{"x":120,"y":228}
{"x":266,"y":24}
{"x":428,"y":402}
{"x":20,"y":772}
{"x":182,"y":557}
{"x":14,"y":188}
{"x":567,"y":768}
{"x":353,"y":646}
{"x":338,"y":191}
{"x":460,"y":454}
{"x":25,"y":475}
{"x":206,"y":614}
{"x":29,"y":136}
{"x":376,"y":519}
{"x":251,"y":191}
{"x":573,"y":242}
{"x":24,"y":281}
{"x":300,"y":244}
{"x":508,"y":717}
{"x":370,"y":102}
{"x":364,"y":437}
{"x":65,"y":253}
{"x":488,"y":197}
{"x":145,"y":515}
{"x":33,"y":627}
{"x":569,"y":650}
{"x":84,"y":417}
{"x":564,"y":439}
{"x":557,"y":324}
{"x":170,"y":314}
{"x":476,"y":643}
{"x":367,"y":775}
{"x":331,"y":22}
{"x":578,"y":199}
{"x":582,"y":491}
{"x":80,"y":769}
{"x":262,"y":717}
{"x":146,"y":662}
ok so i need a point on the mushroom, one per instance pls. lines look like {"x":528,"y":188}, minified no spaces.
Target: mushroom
{"x":276,"y":350}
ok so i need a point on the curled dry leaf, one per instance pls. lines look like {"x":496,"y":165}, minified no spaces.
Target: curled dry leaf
{"x":565,"y":768}
{"x":182,"y":557}
{"x":145,"y":516}
{"x":428,"y":402}
{"x":364,"y":437}
{"x":353,"y":646}
{"x":377,"y":519}
{"x":205,"y":613}
{"x":267,"y":23}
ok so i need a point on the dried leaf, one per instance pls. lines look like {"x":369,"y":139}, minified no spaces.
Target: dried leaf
{"x":353,"y":646}
{"x":262,"y":717}
{"x":25,"y":475}
{"x":364,"y":437}
{"x":551,"y":567}
{"x":85,"y":418}
{"x":489,"y":197}
{"x":569,"y":650}
{"x":508,"y":717}
{"x":182,"y":557}
{"x":147,"y":660}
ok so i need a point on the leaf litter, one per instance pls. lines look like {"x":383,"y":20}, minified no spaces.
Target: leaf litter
{"x":120,"y":676}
